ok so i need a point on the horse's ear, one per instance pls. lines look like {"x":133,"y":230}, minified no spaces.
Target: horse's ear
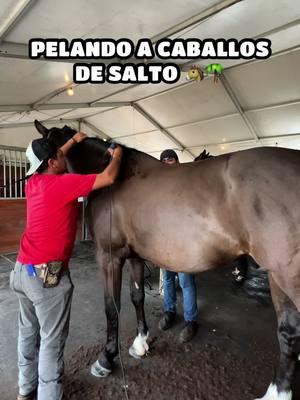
{"x":41,"y":128}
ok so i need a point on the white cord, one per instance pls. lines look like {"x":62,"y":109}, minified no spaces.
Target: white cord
{"x":125,"y":386}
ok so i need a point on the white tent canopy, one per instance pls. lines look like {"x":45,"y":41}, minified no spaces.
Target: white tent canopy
{"x":256,"y":102}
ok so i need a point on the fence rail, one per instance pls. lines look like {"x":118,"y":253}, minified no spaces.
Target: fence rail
{"x":13,"y":166}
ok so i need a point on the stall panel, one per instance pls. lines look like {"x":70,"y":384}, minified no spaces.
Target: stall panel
{"x":12,"y":217}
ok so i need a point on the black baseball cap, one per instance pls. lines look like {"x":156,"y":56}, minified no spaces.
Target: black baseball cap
{"x":38,"y":151}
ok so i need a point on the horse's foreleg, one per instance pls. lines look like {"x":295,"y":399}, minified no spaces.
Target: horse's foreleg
{"x":139,"y":347}
{"x":112,"y":274}
{"x":289,"y":340}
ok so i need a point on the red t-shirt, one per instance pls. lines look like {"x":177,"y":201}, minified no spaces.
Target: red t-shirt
{"x":52,"y":211}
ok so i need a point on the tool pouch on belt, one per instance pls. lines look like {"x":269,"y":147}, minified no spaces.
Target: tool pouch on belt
{"x":52,"y":274}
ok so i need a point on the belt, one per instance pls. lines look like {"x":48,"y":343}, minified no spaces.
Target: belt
{"x":44,"y":265}
{"x":40,"y":270}
{"x":40,"y":266}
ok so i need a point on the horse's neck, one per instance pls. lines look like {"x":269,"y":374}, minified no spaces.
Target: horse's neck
{"x":88,"y":157}
{"x":91,"y":157}
{"x":140,"y":160}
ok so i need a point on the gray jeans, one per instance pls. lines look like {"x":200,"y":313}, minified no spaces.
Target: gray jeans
{"x":43,"y":329}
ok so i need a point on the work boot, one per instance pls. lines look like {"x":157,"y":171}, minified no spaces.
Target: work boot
{"x":188,"y":332}
{"x":167,"y":320}
{"x":29,"y":396}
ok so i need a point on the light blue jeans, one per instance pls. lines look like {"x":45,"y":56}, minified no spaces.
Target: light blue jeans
{"x":189,"y":293}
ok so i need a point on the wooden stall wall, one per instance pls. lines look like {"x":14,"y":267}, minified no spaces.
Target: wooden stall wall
{"x":12,"y":224}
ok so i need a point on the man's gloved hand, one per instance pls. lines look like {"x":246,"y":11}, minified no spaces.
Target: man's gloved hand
{"x":115,"y":150}
{"x":113,"y":146}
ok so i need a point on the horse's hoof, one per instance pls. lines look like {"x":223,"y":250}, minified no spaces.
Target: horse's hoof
{"x":133,"y":353}
{"x":99,"y":371}
{"x":140,"y":346}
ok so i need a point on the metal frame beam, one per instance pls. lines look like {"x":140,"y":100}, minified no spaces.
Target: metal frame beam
{"x":232,"y":143}
{"x":151,"y":96}
{"x":79,"y":121}
{"x":171,"y":89}
{"x":281,"y":137}
{"x":276,"y":54}
{"x":263,"y":34}
{"x":279,"y":28}
{"x":114,"y":105}
{"x":62,"y":106}
{"x":184,"y":125}
{"x":238,"y":106}
{"x":25,"y":124}
{"x":140,"y":110}
{"x":196,"y":19}
{"x":20,"y":9}
{"x":274,"y":106}
{"x":264,"y":140}
{"x":92,"y":114}
{"x":52,"y":94}
{"x":20,"y":51}
{"x":248,"y":110}
{"x":13,"y":148}
{"x":97,"y":131}
{"x":117,"y":92}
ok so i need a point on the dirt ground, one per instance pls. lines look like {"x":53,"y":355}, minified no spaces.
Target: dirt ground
{"x":232,"y":357}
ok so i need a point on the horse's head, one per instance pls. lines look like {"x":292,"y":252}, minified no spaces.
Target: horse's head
{"x":89,"y":156}
{"x":58,"y":135}
{"x":203,"y":156}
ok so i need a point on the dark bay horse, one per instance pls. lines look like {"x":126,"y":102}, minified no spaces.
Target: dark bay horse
{"x":194,"y":217}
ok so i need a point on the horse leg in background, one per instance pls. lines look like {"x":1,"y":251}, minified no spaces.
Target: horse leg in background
{"x":288,"y":318}
{"x":112,"y":274}
{"x":241,"y":265}
{"x":140,"y":346}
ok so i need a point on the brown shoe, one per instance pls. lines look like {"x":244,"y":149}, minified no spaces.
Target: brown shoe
{"x":188,"y":332}
{"x":29,"y":396}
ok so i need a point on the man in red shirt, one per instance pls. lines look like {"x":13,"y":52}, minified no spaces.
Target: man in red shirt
{"x":45,"y":293}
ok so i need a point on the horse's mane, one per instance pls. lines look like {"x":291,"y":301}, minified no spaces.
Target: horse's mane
{"x":127,"y":150}
{"x":60,"y":135}
{"x":68,"y":132}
